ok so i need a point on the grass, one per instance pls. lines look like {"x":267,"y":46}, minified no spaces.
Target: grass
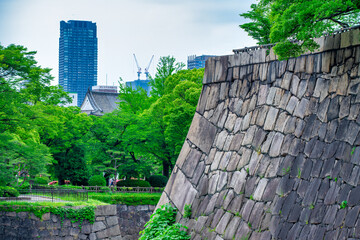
{"x":95,"y":199}
{"x":90,"y":202}
{"x":132,"y":199}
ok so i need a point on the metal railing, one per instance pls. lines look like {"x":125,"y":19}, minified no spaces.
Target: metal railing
{"x":124,"y":189}
{"x":49,"y":195}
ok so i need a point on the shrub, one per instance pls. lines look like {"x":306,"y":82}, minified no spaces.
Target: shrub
{"x":133,"y":183}
{"x":162,"y":225}
{"x":158,"y":180}
{"x":25,"y":185}
{"x":8,"y":192}
{"x":97,"y":180}
{"x":41,"y":180}
{"x":130,"y":199}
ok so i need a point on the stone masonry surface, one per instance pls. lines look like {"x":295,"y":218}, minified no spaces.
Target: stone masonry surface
{"x":112,"y":222}
{"x":274,"y":147}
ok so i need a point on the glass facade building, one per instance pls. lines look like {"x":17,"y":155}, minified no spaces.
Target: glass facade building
{"x":78,"y":51}
{"x":197,"y":61}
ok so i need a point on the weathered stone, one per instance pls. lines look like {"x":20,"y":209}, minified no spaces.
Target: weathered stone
{"x":321,"y":89}
{"x":281,"y":121}
{"x":284,"y":100}
{"x":180,"y":190}
{"x":301,"y":89}
{"x":271,"y":96}
{"x":246,"y":121}
{"x":220,"y":228}
{"x":352,"y":216}
{"x":245,"y":158}
{"x":318,"y":213}
{"x":243,"y":231}
{"x":202,"y":133}
{"x":276,"y":145}
{"x":108,"y":210}
{"x":286,"y":80}
{"x":198,"y":172}
{"x":266,"y":145}
{"x":248,"y":138}
{"x":354,"y":197}
{"x":331,"y":130}
{"x":230,"y":122}
{"x":236,"y":142}
{"x":191,"y":162}
{"x":310,"y":196}
{"x":351,"y":133}
{"x":98,"y":226}
{"x":238,"y":181}
{"x":271,"y":119}
{"x":343,"y":84}
{"x":293,"y":102}
{"x":301,"y":108}
{"x":232,"y":227}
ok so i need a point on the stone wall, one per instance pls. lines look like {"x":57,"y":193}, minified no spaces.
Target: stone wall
{"x":273,"y":149}
{"x":109,"y":224}
{"x":132,"y":219}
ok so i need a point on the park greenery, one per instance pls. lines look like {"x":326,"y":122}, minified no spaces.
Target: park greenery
{"x":162,"y":226}
{"x":41,"y":141}
{"x":293,"y":24}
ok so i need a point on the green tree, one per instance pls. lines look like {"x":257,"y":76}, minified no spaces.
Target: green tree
{"x":24,"y":90}
{"x":161,"y":129}
{"x":165,"y":68}
{"x":294,"y":24}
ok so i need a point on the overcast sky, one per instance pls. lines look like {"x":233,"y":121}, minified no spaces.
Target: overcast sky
{"x":145,"y":27}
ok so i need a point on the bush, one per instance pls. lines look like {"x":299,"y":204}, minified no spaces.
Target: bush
{"x":130,"y":199}
{"x":162,"y":225}
{"x":133,"y":183}
{"x":97,"y":180}
{"x":158,"y":180}
{"x":25,"y":185}
{"x":8,"y":192}
{"x":41,"y":180}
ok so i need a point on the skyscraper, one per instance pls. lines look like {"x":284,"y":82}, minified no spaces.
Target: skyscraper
{"x":78,"y":57}
{"x":197,"y":61}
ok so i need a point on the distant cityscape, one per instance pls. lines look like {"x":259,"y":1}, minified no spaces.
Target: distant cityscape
{"x":78,"y":56}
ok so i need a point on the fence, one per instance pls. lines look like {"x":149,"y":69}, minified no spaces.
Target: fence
{"x":123,"y":189}
{"x":51,"y":195}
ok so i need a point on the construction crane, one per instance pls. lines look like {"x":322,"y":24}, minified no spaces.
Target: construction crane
{"x":139,"y":68}
{"x":147,"y":68}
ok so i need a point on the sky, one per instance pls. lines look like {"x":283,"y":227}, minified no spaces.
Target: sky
{"x":178,"y":28}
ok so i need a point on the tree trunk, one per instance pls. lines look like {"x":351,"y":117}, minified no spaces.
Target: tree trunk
{"x":166,"y":168}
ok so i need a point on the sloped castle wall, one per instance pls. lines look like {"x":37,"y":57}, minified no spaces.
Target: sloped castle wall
{"x":273,"y":149}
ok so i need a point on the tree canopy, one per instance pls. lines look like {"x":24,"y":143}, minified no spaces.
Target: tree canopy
{"x":34,"y":129}
{"x":38,"y":136}
{"x":293,"y":24}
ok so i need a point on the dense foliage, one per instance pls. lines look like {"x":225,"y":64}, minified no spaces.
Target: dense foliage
{"x":39,"y":137}
{"x":97,"y":180}
{"x":293,"y":24}
{"x":133,"y":183}
{"x":158,"y":180}
{"x":162,"y":226}
{"x":131,"y":199}
{"x":145,"y":134}
{"x":8,"y":192}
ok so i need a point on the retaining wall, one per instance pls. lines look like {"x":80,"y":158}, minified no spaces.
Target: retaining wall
{"x":273,"y":149}
{"x":109,"y":224}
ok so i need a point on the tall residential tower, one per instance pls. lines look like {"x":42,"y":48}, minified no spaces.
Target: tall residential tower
{"x":78,"y":50}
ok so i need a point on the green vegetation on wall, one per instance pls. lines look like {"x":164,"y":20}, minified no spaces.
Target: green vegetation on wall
{"x":162,"y":226}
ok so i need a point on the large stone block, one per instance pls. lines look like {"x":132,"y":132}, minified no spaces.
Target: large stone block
{"x":180,"y":190}
{"x":202,"y":133}
{"x":105,"y":210}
